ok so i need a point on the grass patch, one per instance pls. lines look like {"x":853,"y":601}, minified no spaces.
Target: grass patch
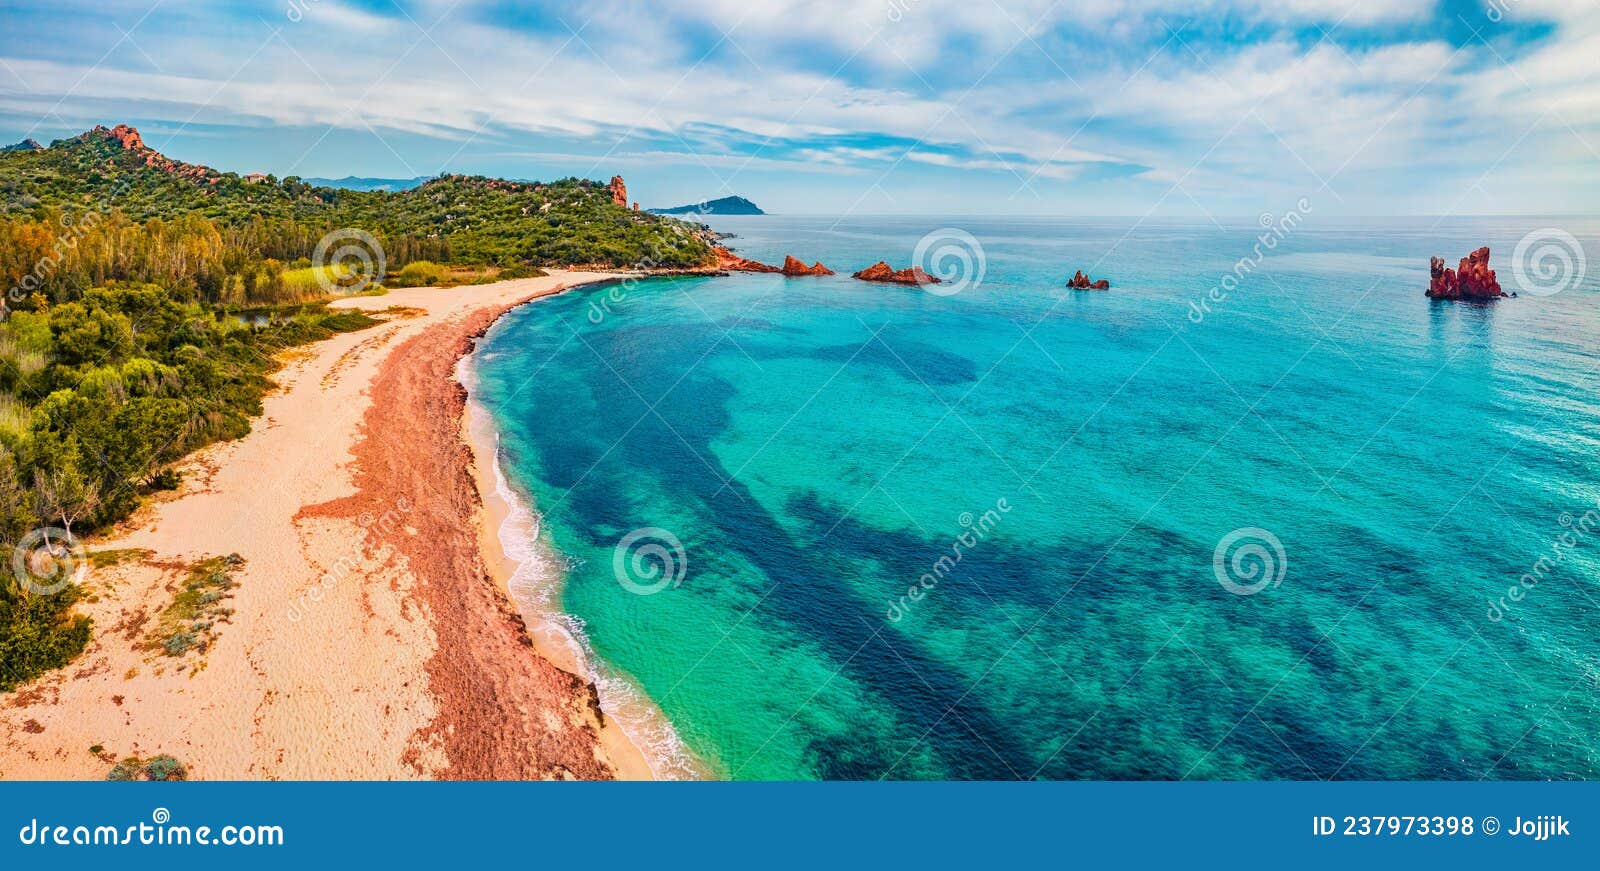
{"x":15,"y":416}
{"x":313,"y":281}
{"x":155,"y":768}
{"x":424,"y":273}
{"x":105,"y":559}
{"x":190,"y":622}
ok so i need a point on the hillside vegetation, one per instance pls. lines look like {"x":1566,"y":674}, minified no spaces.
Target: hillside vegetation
{"x":120,"y":345}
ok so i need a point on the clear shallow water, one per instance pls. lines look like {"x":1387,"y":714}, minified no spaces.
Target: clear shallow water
{"x":815,"y":444}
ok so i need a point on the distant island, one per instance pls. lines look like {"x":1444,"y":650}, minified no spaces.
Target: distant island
{"x":724,"y":206}
{"x":357,"y":183}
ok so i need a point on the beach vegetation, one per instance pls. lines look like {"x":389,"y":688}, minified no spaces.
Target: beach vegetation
{"x":144,"y":304}
{"x":133,"y":378}
{"x":155,"y":768}
{"x":421,"y":273}
{"x":190,"y":622}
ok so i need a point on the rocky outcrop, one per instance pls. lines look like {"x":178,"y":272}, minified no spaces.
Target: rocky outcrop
{"x":127,"y":136}
{"x":1471,"y":279}
{"x":128,"y":139}
{"x":731,"y":262}
{"x":882,"y":271}
{"x":619,"y":191}
{"x":1079,"y":281}
{"x":794,"y":266}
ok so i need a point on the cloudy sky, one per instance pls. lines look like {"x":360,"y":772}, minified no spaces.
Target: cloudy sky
{"x":1096,"y":107}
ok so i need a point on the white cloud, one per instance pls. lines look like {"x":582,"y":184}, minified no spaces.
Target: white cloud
{"x":748,"y":86}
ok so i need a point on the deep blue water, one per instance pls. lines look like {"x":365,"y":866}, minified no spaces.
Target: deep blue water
{"x":817,"y":445}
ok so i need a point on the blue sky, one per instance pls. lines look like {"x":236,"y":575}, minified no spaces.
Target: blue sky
{"x":1180,"y":107}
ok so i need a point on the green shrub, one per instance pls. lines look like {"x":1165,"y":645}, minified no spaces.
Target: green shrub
{"x":422,"y":273}
{"x":155,"y":768}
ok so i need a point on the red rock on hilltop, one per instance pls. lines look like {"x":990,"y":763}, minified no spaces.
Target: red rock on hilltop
{"x":882,"y":271}
{"x":794,"y":267}
{"x":1079,"y":281}
{"x":619,"y":191}
{"x":731,"y":262}
{"x":127,"y":136}
{"x":1471,"y":279}
{"x":130,"y":140}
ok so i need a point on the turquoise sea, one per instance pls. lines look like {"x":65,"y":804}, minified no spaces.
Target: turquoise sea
{"x":1270,"y":536}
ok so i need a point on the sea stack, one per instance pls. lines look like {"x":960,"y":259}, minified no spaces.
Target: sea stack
{"x":882,"y":271}
{"x":1471,"y":279}
{"x":794,"y":266}
{"x":1079,"y":281}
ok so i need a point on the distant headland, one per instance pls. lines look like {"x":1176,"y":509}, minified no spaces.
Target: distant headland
{"x":724,"y":206}
{"x":357,"y":183}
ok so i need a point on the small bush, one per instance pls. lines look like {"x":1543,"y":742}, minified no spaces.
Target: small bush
{"x":420,"y":273}
{"x":166,"y":479}
{"x":155,"y":768}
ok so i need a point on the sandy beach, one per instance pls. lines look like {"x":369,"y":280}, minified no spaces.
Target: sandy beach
{"x":370,"y":633}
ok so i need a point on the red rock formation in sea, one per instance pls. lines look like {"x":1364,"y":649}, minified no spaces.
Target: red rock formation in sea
{"x":1079,"y":281}
{"x":731,"y":262}
{"x":795,"y":266}
{"x":882,"y":271}
{"x":1471,"y":279}
{"x":619,"y":191}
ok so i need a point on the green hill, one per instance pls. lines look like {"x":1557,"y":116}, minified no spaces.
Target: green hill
{"x":477,"y":220}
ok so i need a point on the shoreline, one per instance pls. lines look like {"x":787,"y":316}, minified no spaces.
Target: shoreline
{"x":367,"y":637}
{"x":637,"y":736}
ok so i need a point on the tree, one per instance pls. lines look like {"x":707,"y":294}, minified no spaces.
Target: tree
{"x":61,"y":491}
